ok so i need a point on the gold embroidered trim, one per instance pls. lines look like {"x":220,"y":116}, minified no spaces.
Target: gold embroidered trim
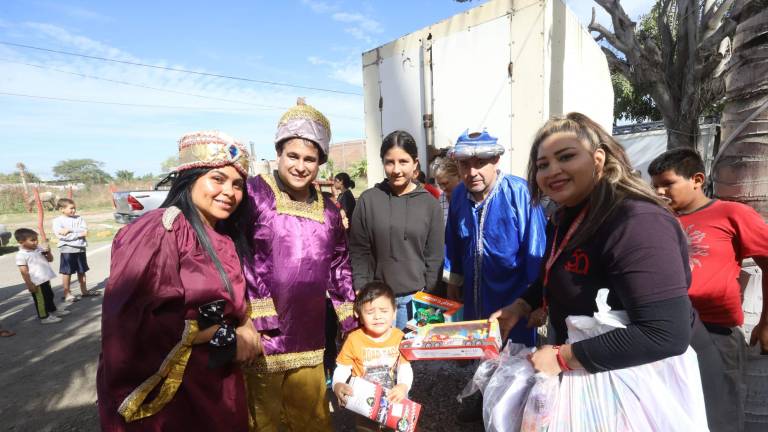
{"x":345,"y":310}
{"x":303,"y":111}
{"x":172,"y":370}
{"x":262,"y":308}
{"x":169,"y":215}
{"x":284,"y":204}
{"x":288,"y":361}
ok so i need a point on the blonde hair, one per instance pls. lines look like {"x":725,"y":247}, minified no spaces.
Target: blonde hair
{"x":445,"y":166}
{"x":618,"y":182}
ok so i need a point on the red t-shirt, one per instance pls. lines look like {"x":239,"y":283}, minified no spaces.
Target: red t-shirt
{"x":433,"y":190}
{"x":720,"y":235}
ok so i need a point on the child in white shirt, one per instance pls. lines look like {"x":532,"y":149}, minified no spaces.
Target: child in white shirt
{"x":33,"y":262}
{"x":71,"y":231}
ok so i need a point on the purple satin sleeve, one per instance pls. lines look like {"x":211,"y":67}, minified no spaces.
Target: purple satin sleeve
{"x":258,"y":267}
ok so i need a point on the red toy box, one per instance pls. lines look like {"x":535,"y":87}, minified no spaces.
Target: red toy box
{"x":453,"y":341}
{"x":368,"y":399}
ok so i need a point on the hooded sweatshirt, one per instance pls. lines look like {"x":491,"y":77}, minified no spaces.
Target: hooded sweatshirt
{"x":397,"y":239}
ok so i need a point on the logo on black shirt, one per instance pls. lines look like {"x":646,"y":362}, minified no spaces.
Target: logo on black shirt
{"x":578,"y":263}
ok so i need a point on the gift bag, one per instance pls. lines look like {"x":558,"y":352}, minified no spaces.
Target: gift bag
{"x":664,"y":395}
{"x":505,"y":393}
{"x":541,"y":403}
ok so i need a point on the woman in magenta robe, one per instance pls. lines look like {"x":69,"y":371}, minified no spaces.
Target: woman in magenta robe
{"x":174,"y":319}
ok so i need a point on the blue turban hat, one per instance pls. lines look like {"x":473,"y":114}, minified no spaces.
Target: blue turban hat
{"x":476,"y":144}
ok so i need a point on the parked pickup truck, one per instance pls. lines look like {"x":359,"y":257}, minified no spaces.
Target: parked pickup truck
{"x":130,"y":205}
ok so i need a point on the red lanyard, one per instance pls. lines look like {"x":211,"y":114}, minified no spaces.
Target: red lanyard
{"x":556,"y":251}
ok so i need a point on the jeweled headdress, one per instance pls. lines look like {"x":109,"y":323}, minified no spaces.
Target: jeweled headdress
{"x":304,"y":121}
{"x":212,"y":149}
{"x":476,"y":144}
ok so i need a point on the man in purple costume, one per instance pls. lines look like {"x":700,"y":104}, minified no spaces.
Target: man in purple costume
{"x":299,"y":254}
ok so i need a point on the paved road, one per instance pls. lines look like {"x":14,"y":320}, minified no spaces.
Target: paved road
{"x":48,"y":378}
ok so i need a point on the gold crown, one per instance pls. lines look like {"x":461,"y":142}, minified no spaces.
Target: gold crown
{"x":212,"y":149}
{"x":303,"y":111}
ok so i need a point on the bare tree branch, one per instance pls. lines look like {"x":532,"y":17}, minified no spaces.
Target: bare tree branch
{"x":662,"y":25}
{"x":606,"y":34}
{"x":623,"y":27}
{"x":617,"y":64}
{"x":677,"y":65}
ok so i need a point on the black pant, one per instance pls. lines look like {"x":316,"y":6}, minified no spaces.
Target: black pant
{"x":43,"y":299}
{"x":721,"y":398}
{"x":331,"y":330}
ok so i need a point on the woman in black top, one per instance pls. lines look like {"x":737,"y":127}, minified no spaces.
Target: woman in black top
{"x":346,"y":201}
{"x":610,"y":231}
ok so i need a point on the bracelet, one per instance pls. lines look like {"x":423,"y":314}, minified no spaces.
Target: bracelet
{"x":560,"y":360}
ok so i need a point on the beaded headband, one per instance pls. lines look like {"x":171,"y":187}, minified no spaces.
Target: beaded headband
{"x":212,"y":149}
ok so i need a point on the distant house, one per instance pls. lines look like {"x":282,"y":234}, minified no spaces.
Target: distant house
{"x":346,"y":153}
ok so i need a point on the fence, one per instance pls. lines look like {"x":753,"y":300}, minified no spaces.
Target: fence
{"x":14,"y":200}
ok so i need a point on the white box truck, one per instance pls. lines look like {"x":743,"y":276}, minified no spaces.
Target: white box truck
{"x":506,"y":65}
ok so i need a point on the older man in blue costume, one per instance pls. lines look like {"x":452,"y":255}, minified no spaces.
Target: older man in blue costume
{"x":494,"y":238}
{"x":299,"y":255}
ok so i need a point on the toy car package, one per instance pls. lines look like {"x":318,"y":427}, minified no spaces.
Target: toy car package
{"x":368,"y":399}
{"x":453,"y":341}
{"x":431,"y":309}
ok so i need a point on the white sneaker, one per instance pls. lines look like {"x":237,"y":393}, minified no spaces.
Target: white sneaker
{"x":50,"y":320}
{"x":61,"y":312}
{"x":71,"y":299}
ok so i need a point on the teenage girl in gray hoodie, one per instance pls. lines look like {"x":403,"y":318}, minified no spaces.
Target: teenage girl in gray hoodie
{"x":397,"y":232}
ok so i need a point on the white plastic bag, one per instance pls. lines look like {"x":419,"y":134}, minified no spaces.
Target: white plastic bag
{"x":541,"y":404}
{"x":505,"y":394}
{"x":664,"y":395}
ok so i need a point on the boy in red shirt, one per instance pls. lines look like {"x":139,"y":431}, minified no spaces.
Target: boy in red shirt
{"x":721,"y":234}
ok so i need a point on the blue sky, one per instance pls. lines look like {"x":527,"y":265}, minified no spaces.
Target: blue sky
{"x":311,"y":43}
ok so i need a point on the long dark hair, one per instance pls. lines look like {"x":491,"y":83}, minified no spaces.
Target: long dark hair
{"x":345,"y":180}
{"x":180,"y":196}
{"x":401,"y":139}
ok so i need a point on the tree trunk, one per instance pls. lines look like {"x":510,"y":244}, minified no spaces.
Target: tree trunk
{"x":682,"y":132}
{"x":740,"y":172}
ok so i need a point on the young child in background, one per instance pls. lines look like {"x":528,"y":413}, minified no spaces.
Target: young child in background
{"x":373,"y":350}
{"x":71,"y":231}
{"x":33,"y":262}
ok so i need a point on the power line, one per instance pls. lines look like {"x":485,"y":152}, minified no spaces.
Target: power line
{"x":90,"y":101}
{"x":273,"y":83}
{"x":117,"y":103}
{"x":141,"y":85}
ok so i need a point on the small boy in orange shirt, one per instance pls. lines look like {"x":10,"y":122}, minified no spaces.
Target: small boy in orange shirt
{"x":373,"y":350}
